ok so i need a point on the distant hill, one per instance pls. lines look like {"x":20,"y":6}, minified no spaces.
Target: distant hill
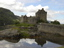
{"x":6,"y":17}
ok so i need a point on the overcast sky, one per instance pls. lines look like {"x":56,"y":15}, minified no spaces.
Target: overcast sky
{"x":54,"y":8}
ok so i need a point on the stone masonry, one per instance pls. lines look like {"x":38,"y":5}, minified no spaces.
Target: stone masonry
{"x":40,"y":15}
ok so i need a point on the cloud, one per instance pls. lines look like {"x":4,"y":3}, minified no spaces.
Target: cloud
{"x":52,"y":13}
{"x":29,"y":1}
{"x":10,"y":4}
{"x":61,"y":12}
{"x":61,"y":21}
{"x":30,"y":14}
{"x":30,"y":8}
{"x":7,"y":2}
{"x":18,"y":6}
{"x":55,"y":15}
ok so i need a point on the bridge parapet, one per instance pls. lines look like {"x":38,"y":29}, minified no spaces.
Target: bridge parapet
{"x":51,"y":28}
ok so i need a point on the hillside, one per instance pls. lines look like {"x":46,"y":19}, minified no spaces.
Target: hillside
{"x":6,"y":17}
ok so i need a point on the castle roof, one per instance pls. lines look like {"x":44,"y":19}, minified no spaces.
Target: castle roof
{"x":41,"y":11}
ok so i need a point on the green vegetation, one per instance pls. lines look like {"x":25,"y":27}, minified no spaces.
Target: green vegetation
{"x":6,"y":17}
{"x":24,"y":24}
{"x":24,"y":29}
{"x":16,"y":22}
{"x":24,"y":34}
{"x":41,"y":21}
{"x":55,"y":22}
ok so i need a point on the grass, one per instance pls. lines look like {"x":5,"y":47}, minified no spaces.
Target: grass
{"x":24,"y":24}
{"x":24,"y":29}
{"x":24,"y":34}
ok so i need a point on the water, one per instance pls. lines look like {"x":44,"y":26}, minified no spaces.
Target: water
{"x":46,"y":41}
{"x":27,"y":43}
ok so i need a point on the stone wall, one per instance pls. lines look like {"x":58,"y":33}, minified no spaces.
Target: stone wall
{"x":50,"y":28}
{"x":23,"y":19}
{"x":32,"y":20}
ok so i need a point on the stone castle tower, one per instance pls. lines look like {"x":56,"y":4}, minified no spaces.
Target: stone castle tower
{"x":41,"y":15}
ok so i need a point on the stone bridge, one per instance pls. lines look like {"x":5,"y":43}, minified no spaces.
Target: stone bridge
{"x":51,"y":28}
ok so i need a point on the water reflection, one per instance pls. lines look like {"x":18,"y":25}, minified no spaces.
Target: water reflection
{"x":40,"y":41}
{"x":45,"y":41}
{"x":54,"y":38}
{"x":12,"y":39}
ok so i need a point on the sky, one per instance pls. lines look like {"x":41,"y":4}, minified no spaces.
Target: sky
{"x":54,"y":8}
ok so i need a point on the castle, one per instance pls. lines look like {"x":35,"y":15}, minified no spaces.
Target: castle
{"x":40,"y":15}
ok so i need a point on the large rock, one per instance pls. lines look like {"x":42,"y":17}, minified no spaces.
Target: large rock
{"x":9,"y":32}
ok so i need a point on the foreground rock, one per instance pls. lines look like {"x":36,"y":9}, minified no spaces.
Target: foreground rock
{"x":9,"y":33}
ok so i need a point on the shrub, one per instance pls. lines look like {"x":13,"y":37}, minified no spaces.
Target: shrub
{"x":24,"y":34}
{"x":16,"y":22}
{"x":55,"y":22}
{"x":42,"y":21}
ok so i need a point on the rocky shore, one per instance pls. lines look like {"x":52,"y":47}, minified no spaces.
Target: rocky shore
{"x":19,"y":31}
{"x":9,"y":33}
{"x":16,"y":31}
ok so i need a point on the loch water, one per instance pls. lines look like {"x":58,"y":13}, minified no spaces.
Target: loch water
{"x":45,"y":41}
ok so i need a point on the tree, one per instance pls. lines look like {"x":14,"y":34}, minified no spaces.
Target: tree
{"x":42,"y":21}
{"x":16,"y":22}
{"x":55,"y":22}
{"x":6,"y":17}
